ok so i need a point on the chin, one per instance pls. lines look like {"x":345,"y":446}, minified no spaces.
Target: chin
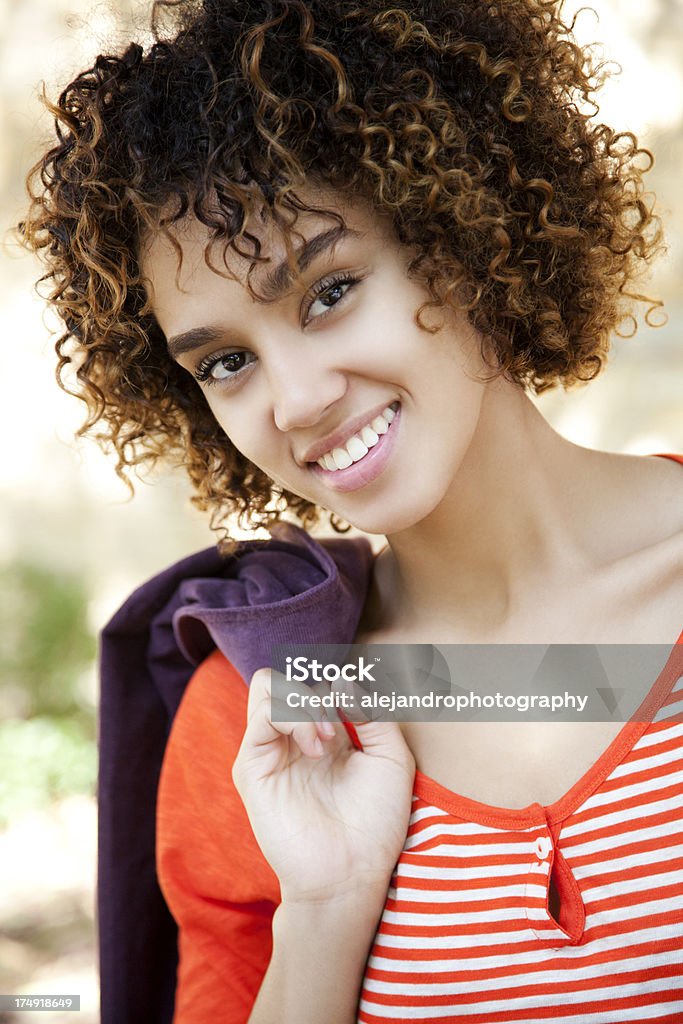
{"x":391,"y":516}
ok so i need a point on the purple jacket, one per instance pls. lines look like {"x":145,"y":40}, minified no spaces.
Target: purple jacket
{"x":286,"y":590}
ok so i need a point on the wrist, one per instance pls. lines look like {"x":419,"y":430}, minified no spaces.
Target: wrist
{"x":365,"y":897}
{"x":319,"y":957}
{"x":340,"y":917}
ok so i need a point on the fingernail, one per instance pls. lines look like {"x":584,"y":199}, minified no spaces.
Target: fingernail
{"x":327,"y":728}
{"x":317,"y":746}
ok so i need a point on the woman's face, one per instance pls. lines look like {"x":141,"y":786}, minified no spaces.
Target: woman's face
{"x":330,"y":386}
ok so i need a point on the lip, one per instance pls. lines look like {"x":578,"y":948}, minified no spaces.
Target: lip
{"x":367,"y":469}
{"x":338,"y":438}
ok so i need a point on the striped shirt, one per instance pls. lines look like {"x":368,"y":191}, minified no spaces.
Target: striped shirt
{"x":468,"y":934}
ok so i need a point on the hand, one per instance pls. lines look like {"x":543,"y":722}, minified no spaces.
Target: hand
{"x":330,"y":819}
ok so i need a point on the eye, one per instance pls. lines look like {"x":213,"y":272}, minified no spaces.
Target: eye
{"x":328,"y":293}
{"x":224,"y":366}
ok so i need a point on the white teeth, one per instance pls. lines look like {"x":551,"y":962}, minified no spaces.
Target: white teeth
{"x":369,"y":437}
{"x":357,"y":447}
{"x":342,"y":459}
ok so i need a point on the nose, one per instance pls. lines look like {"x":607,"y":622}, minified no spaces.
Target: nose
{"x":302,"y":390}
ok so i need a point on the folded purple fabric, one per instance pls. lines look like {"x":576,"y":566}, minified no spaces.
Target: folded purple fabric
{"x":286,"y":590}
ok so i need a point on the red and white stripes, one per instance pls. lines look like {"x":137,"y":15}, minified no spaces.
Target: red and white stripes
{"x":468,"y":936}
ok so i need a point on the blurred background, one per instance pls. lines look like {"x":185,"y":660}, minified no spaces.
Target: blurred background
{"x":72,"y":545}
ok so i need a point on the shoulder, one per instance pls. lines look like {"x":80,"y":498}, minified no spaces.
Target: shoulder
{"x":213,"y":711}
{"x":641,"y":499}
{"x":653,"y":507}
{"x":644,"y":520}
{"x":663,"y":477}
{"x":658,"y":495}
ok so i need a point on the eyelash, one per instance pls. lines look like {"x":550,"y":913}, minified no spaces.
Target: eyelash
{"x":326,"y":284}
{"x":202,"y":373}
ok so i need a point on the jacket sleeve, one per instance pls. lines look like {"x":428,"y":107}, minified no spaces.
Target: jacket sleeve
{"x":218,"y":886}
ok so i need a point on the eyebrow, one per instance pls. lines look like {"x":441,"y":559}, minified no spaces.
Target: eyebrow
{"x":276,"y":283}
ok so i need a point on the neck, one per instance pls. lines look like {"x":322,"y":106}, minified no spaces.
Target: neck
{"x":521,"y":512}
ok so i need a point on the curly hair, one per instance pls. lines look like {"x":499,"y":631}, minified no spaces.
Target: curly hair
{"x":468,"y":123}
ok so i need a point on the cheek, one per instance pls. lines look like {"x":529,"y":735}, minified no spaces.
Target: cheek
{"x":244,"y":426}
{"x":252,"y":433}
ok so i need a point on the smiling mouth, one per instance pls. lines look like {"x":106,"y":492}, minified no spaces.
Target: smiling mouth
{"x":359,"y":444}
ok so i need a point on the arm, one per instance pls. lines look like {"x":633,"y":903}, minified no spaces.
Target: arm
{"x":223,"y":892}
{"x":331,"y":821}
{"x":319,"y":955}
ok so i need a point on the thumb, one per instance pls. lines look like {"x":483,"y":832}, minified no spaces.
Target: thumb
{"x":383,"y":739}
{"x":378,"y":737}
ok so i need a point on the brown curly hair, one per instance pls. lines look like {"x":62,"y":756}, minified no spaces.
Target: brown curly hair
{"x":465,"y":121}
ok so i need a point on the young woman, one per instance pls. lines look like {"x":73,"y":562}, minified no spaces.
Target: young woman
{"x":321,"y":253}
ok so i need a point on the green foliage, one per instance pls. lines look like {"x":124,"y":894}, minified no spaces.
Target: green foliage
{"x":42,"y":760}
{"x":45,"y":643}
{"x":47,"y":748}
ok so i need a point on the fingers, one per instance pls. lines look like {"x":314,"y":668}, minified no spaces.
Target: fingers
{"x":379,"y":734}
{"x":272,"y":741}
{"x":259,"y":688}
{"x":384,"y":739}
{"x":272,"y":705}
{"x":269,"y":719}
{"x":265,"y":728}
{"x":291,"y":701}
